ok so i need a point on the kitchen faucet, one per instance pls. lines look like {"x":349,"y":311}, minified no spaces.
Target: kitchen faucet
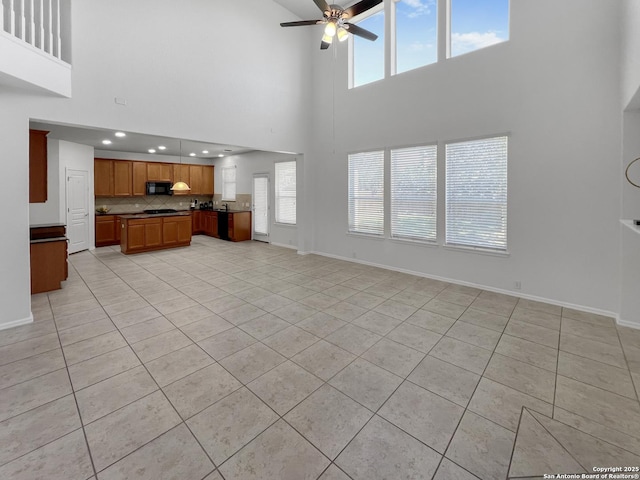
{"x":226,"y":207}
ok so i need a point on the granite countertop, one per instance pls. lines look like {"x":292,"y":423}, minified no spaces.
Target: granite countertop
{"x":134,"y":216}
{"x":48,"y":225}
{"x":47,"y":240}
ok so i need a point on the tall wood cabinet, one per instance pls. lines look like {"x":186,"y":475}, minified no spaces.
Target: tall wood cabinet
{"x":139,"y":172}
{"x":103,"y":177}
{"x":37,"y":166}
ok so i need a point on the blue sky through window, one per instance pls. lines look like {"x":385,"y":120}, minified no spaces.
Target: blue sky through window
{"x":416,"y":34}
{"x":477,"y":24}
{"x":368,"y":56}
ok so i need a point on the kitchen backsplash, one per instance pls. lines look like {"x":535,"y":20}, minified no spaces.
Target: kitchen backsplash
{"x":138,"y":204}
{"x":243,"y":201}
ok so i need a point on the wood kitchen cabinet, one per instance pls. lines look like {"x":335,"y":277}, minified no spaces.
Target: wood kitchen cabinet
{"x":239,"y":226}
{"x":207,"y":180}
{"x":195,"y":176}
{"x":103,"y":177}
{"x":139,"y":183}
{"x":181,"y":174}
{"x":196,"y":222}
{"x":122,"y":179}
{"x":48,"y":251}
{"x":159,"y":172}
{"x":37,"y":166}
{"x":154,"y":233}
{"x":106,"y":230}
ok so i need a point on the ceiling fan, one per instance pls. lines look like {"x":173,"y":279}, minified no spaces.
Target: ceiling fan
{"x":336,"y":20}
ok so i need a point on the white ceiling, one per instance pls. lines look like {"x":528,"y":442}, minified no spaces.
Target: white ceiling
{"x":136,"y":142}
{"x":304,"y":9}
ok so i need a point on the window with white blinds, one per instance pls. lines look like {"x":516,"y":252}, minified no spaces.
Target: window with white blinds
{"x":476,"y":193}
{"x":229,"y":184}
{"x":286,"y":192}
{"x":414,"y":192}
{"x":366,"y":193}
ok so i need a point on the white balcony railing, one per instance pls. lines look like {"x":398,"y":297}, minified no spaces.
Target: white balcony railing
{"x":40,"y":23}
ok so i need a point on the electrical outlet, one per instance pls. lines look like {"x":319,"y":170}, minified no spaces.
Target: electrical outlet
{"x":517,"y":285}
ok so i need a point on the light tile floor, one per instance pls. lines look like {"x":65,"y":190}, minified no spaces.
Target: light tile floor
{"x":248,"y":361}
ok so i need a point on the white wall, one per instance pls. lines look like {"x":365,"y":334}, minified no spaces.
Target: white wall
{"x":554,"y":87}
{"x":630,"y":58}
{"x":185,"y":73}
{"x":252,"y":163}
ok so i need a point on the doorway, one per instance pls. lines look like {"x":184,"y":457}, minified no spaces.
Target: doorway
{"x":261,"y":207}
{"x":77,"y":210}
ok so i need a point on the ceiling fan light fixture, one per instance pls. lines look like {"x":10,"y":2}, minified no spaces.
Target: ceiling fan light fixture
{"x":327,"y":39}
{"x":342,"y":34}
{"x":330,"y":29}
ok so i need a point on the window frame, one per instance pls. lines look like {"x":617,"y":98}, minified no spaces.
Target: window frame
{"x":226,"y":182}
{"x":278,"y":195}
{"x":431,"y":240}
{"x":351,"y":220}
{"x":469,"y":246}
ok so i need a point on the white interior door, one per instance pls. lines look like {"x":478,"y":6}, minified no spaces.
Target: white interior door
{"x":261,"y":207}
{"x":78,"y":210}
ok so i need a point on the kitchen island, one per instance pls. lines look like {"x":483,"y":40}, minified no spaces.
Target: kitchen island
{"x":148,"y":232}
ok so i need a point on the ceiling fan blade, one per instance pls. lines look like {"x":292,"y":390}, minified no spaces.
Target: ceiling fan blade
{"x":300,"y":23}
{"x":361,"y":32}
{"x":361,"y":7}
{"x":324,"y":45}
{"x":322,"y":5}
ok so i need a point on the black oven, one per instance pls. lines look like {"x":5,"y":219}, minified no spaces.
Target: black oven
{"x":159,"y":188}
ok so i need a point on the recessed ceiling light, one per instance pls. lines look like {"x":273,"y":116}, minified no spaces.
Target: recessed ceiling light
{"x":192,"y":154}
{"x":220,"y":155}
{"x":162,"y":147}
{"x":106,"y":142}
{"x":205,"y":151}
{"x":152,"y":150}
{"x":121,"y":134}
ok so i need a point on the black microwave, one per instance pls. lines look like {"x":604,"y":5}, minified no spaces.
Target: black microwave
{"x":159,"y":188}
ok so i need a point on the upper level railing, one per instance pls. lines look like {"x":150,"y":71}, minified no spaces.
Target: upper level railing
{"x":43,"y":24}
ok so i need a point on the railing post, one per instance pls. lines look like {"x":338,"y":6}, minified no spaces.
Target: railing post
{"x":2,"y":16}
{"x":40,"y":25}
{"x":12,"y":18}
{"x":32,"y":24}
{"x":49,"y":27}
{"x":58,"y":40}
{"x":22,"y":21}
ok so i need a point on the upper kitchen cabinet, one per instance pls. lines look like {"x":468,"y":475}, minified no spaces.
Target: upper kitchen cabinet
{"x":181,"y":174}
{"x":122,"y":179}
{"x":139,"y":178}
{"x":37,"y":166}
{"x":159,"y":172}
{"x":112,"y":178}
{"x":103,"y":177}
{"x":207,"y":180}
{"x":195,"y":174}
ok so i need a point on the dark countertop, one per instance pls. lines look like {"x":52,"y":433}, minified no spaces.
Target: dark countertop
{"x":48,"y":225}
{"x":47,"y":240}
{"x":138,"y":216}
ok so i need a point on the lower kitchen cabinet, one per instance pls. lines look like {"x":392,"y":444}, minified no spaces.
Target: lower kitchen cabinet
{"x":239,"y":226}
{"x":234,"y":226}
{"x":154,"y":233}
{"x":106,"y":230}
{"x":210,"y":223}
{"x":48,"y":251}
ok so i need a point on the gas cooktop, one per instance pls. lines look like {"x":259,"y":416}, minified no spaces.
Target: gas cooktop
{"x":160,"y":210}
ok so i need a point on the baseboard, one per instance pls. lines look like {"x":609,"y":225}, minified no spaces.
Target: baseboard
{"x":627,"y":323}
{"x":283,"y":245}
{"x":512,"y":293}
{"x":17,"y":323}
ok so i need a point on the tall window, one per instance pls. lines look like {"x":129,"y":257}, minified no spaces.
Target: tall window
{"x":366,"y":193}
{"x":477,"y":24}
{"x":476,"y":198}
{"x":286,"y":192}
{"x":368,"y":56}
{"x":229,"y":184}
{"x":416,"y":33}
{"x":414,"y":193}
